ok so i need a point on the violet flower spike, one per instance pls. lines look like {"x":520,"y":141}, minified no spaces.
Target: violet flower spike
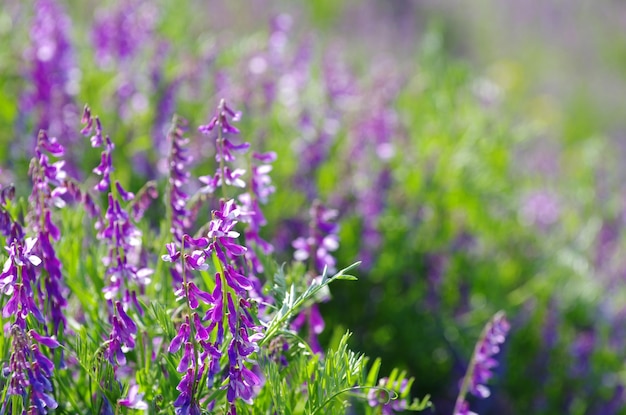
{"x":225,"y":175}
{"x":180,"y":216}
{"x":52,"y":74}
{"x":316,"y":248}
{"x":261,"y":189}
{"x":124,"y":271}
{"x":49,"y":184}
{"x":29,"y":371}
{"x":480,"y":368}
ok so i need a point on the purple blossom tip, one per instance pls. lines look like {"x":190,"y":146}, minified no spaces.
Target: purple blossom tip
{"x":134,"y":400}
{"x":126,"y":196}
{"x":46,"y":341}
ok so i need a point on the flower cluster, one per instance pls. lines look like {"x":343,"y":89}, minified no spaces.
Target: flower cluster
{"x":7,"y":193}
{"x":480,"y":368}
{"x":373,"y":148}
{"x":54,"y":75}
{"x":119,"y":34}
{"x":316,"y":248}
{"x":16,"y":280}
{"x":178,"y":176}
{"x":48,"y":188}
{"x":124,"y":274}
{"x":221,"y":124}
{"x":228,"y":321}
{"x":259,"y":185}
{"x":321,"y":241}
{"x":29,"y":370}
{"x":260,"y":189}
{"x":226,"y":302}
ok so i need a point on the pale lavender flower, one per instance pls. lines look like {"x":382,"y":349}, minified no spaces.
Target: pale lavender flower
{"x":143,"y":200}
{"x":313,"y":148}
{"x":374,"y":140}
{"x":340,"y":83}
{"x":321,"y":241}
{"x":134,"y":399}
{"x":540,"y":208}
{"x":388,"y":403}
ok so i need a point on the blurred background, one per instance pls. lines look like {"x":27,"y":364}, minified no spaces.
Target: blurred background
{"x":473,"y":152}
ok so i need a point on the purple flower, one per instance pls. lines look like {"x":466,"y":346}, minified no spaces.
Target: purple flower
{"x":222,"y":119}
{"x":96,"y":140}
{"x":49,"y":342}
{"x":119,"y":34}
{"x":185,"y":404}
{"x":242,"y":382}
{"x":339,"y":82}
{"x":315,"y":325}
{"x":105,"y":167}
{"x":29,"y":370}
{"x":6,"y":221}
{"x":194,"y":294}
{"x":178,"y":164}
{"x":223,"y":237}
{"x":143,"y":199}
{"x":225,"y":175}
{"x":480,"y":368}
{"x":49,"y":185}
{"x":52,"y":71}
{"x":316,"y":248}
{"x":261,"y":188}
{"x":124,"y":273}
{"x":230,"y":285}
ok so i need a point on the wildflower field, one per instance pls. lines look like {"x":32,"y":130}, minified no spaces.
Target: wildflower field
{"x":273,"y":207}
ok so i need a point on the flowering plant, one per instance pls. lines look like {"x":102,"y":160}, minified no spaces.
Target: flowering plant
{"x":115,"y":331}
